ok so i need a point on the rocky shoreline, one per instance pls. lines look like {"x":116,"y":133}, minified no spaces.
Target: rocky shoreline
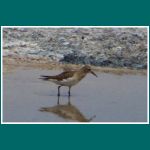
{"x":108,"y":47}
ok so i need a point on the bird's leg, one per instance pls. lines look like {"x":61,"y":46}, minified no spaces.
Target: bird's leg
{"x":69,"y":103}
{"x":58,"y":90}
{"x":69,"y":91}
{"x":58,"y":100}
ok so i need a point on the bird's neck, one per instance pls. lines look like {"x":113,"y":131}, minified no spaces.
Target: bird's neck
{"x":81,"y":74}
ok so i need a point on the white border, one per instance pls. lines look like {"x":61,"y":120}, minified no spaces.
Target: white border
{"x":75,"y":27}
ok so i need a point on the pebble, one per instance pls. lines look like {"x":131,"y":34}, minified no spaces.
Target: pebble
{"x":116,"y":47}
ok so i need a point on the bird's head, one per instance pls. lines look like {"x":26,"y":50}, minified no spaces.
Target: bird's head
{"x":87,"y":69}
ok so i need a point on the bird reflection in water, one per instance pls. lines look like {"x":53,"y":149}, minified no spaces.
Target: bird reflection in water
{"x":67,"y":111}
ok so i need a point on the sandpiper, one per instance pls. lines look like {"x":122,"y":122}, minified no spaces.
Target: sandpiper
{"x":69,"y":78}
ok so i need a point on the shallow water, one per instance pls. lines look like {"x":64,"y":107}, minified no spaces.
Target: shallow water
{"x":108,"y":98}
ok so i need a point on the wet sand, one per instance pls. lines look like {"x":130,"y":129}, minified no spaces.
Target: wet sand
{"x":108,"y":98}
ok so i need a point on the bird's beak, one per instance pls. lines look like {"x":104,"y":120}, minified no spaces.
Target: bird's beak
{"x":93,"y":73}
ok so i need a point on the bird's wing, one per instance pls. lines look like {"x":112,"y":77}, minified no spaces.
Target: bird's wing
{"x":63,"y":75}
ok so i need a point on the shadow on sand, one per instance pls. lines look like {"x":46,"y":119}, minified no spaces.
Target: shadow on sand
{"x":67,"y":111}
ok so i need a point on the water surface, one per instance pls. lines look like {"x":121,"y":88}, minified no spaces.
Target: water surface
{"x":108,"y":98}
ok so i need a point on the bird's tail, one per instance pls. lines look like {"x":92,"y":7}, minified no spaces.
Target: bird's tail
{"x":43,"y":77}
{"x":43,"y":109}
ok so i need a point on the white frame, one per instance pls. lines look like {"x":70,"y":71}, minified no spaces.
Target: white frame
{"x":147,"y":122}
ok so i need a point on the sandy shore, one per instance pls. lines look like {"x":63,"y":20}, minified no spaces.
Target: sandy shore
{"x":10,"y":64}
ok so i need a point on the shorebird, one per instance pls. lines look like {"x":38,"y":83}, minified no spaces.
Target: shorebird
{"x":69,"y":78}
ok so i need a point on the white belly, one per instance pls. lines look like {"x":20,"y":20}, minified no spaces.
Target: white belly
{"x":66,"y":82}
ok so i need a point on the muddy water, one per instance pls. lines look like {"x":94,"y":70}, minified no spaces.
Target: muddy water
{"x":108,"y":98}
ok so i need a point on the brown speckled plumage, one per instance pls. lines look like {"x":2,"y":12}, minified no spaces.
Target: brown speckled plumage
{"x":69,"y":78}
